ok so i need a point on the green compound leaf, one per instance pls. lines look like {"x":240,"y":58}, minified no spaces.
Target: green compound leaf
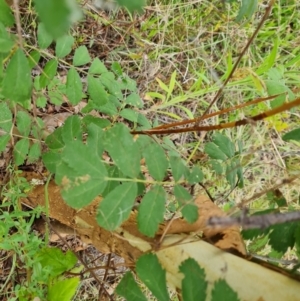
{"x":97,"y":91}
{"x":17,"y":82}
{"x":128,"y":289}
{"x":153,"y":275}
{"x":20,"y":151}
{"x":156,"y":161}
{"x":194,"y":285}
{"x":85,"y":179}
{"x":34,"y":153}
{"x":74,"y":86}
{"x":6,"y":42}
{"x":123,"y":149}
{"x":71,"y":130}
{"x":64,"y":46}
{"x":57,"y":15}
{"x":97,"y":67}
{"x":134,"y":100}
{"x":49,"y":72}
{"x":44,"y":38}
{"x":179,"y":170}
{"x":292,"y":135}
{"x":151,"y":211}
{"x":225,"y":144}
{"x":189,"y":210}
{"x":81,"y":56}
{"x":6,"y":15}
{"x":222,"y":291}
{"x":57,"y":260}
{"x":63,"y":289}
{"x":116,"y":206}
{"x":23,"y":123}
{"x":5,"y":117}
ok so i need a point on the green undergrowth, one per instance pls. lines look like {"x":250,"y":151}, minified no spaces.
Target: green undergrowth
{"x":167,"y":68}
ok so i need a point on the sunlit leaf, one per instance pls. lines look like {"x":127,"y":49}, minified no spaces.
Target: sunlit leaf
{"x":63,"y":289}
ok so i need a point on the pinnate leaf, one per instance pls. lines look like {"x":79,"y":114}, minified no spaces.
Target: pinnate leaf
{"x":129,"y":289}
{"x":156,"y":161}
{"x":81,"y":56}
{"x":116,"y":206}
{"x":74,"y":86}
{"x":17,"y":82}
{"x":194,"y":285}
{"x":20,"y":151}
{"x":87,"y":180}
{"x":153,"y":275}
{"x":64,"y":46}
{"x":123,"y":149}
{"x":151,"y":211}
{"x":222,"y":291}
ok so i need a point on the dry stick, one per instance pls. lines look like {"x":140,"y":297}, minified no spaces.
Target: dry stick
{"x":224,"y":111}
{"x":261,"y":116}
{"x":264,"y":18}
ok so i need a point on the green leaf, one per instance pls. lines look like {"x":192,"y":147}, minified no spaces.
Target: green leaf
{"x":43,"y":37}
{"x":3,"y":141}
{"x":292,"y":135}
{"x":81,"y":56}
{"x":134,"y":100}
{"x":129,"y":114}
{"x":51,"y":161}
{"x":20,"y":151}
{"x":97,"y":67}
{"x":116,"y":206}
{"x":95,"y":139}
{"x":6,"y":41}
{"x":153,"y":275}
{"x":63,"y":289}
{"x":156,"y":161}
{"x":97,"y":91}
{"x":23,"y":123}
{"x":17,"y":83}
{"x":34,"y":152}
{"x":195,"y":176}
{"x":123,"y":149}
{"x":6,"y":15}
{"x":214,"y":151}
{"x":56,"y":260}
{"x":87,"y":181}
{"x":57,"y":15}
{"x":74,"y":86}
{"x":189,"y":210}
{"x":151,"y":211}
{"x":247,"y":10}
{"x":64,"y":46}
{"x":111,"y":84}
{"x":194,"y":285}
{"x":282,"y":236}
{"x":5,"y":117}
{"x":72,"y":129}
{"x":33,"y":58}
{"x":224,"y":143}
{"x":112,"y":172}
{"x":129,"y":289}
{"x":222,"y":291}
{"x":49,"y":72}
{"x":179,"y":170}
{"x":100,"y":122}
{"x":116,"y":68}
{"x":216,"y":166}
{"x":231,"y":173}
{"x":55,"y":141}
